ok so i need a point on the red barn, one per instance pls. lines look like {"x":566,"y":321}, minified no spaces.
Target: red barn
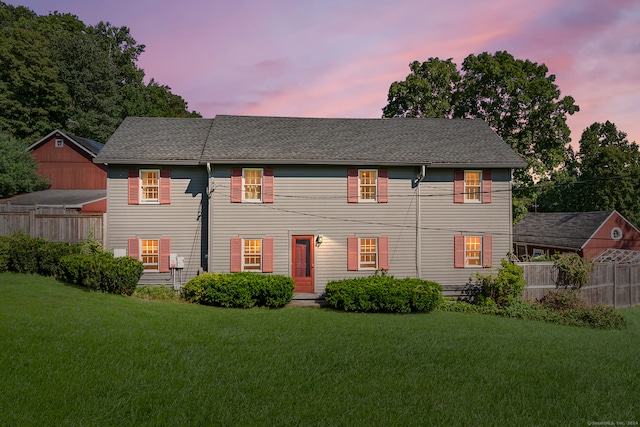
{"x":602,"y":235}
{"x":75,"y":181}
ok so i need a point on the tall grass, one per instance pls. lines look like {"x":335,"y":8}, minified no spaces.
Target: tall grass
{"x":73,"y":357}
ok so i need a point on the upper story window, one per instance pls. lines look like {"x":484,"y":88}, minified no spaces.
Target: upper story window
{"x":472,"y":186}
{"x":150,"y":190}
{"x":367,"y":185}
{"x":149,"y":186}
{"x":368,"y":180}
{"x":59,"y":143}
{"x":252,"y":185}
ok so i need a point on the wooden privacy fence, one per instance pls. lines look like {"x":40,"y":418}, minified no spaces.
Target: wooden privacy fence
{"x":52,"y":224}
{"x":611,"y":283}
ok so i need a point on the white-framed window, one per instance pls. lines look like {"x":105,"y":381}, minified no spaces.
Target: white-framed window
{"x":150,"y":186}
{"x":252,"y":258}
{"x":367,"y":185}
{"x":538,"y":253}
{"x":368,"y":252}
{"x":472,"y":186}
{"x":473,"y":251}
{"x":59,"y":143}
{"x":252,"y":184}
{"x":149,"y":251}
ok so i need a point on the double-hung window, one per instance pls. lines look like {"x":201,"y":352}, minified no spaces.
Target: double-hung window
{"x":150,"y":180}
{"x":254,"y":255}
{"x":367,"y":253}
{"x":153,"y":253}
{"x":252,"y":185}
{"x":149,"y":186}
{"x":150,"y":254}
{"x":472,"y":186}
{"x":367,"y":185}
{"x":473,"y":251}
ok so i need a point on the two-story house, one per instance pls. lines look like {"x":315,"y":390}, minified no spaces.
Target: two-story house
{"x":314,"y":199}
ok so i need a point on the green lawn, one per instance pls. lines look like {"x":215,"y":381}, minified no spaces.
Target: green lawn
{"x":73,"y":357}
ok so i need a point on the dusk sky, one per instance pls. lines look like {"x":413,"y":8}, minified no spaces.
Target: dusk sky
{"x":330,"y":58}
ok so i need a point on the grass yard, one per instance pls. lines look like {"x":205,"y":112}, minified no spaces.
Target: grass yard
{"x":73,"y":357}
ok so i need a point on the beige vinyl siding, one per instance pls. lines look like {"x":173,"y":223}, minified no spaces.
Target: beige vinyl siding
{"x":182,"y":221}
{"x":312,"y":200}
{"x":441,"y":219}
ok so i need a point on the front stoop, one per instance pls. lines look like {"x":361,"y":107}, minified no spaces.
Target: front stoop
{"x":307,"y":300}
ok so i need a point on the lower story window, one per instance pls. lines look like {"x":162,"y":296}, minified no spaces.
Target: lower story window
{"x":368,"y":253}
{"x":149,"y":250}
{"x":252,"y":254}
{"x":473,"y":251}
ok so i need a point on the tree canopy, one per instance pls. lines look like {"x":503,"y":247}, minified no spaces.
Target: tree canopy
{"x":58,"y":73}
{"x":603,"y":175}
{"x":517,"y":98}
{"x":18,"y":171}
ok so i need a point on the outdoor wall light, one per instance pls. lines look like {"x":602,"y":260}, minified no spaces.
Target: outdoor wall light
{"x":319,"y":239}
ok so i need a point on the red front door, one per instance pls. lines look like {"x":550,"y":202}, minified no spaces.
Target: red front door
{"x":302,"y":263}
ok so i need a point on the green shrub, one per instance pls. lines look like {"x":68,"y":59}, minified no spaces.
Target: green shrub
{"x":102,"y":272}
{"x":599,"y":317}
{"x":5,"y":254}
{"x":561,"y":299}
{"x":504,"y":287}
{"x":383,"y":294}
{"x":23,"y":254}
{"x":240,"y":290}
{"x":573,"y":271}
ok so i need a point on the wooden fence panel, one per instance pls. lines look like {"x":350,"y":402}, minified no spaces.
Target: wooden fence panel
{"x":53,"y":224}
{"x":610,"y":283}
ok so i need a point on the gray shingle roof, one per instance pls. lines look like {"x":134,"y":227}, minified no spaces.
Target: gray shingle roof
{"x":156,"y":140}
{"x":406,"y":141}
{"x":288,"y":140}
{"x":68,"y":198}
{"x":570,"y":230}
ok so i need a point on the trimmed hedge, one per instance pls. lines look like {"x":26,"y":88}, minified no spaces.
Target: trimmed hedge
{"x":383,"y":294}
{"x":102,"y":272}
{"x":83,"y":264}
{"x":240,"y":290}
{"x":23,"y":254}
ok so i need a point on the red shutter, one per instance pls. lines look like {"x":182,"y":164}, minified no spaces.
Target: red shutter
{"x":267,"y":255}
{"x":352,"y":253}
{"x":486,"y":186}
{"x":352,"y":185}
{"x":236,"y":254}
{"x":383,"y":253}
{"x":383,"y":186}
{"x":134,"y":187}
{"x":165,"y":187}
{"x":487,"y":250}
{"x":133,"y":248}
{"x":458,"y":250}
{"x":458,"y":186}
{"x":164,"y":253}
{"x":267,"y":186}
{"x":236,"y":185}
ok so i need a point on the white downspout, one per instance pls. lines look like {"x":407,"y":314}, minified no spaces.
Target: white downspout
{"x":419,"y":179}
